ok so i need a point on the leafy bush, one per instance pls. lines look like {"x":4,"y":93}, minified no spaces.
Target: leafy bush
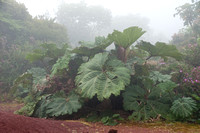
{"x":191,"y":54}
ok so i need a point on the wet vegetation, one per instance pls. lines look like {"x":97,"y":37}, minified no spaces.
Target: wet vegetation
{"x":46,"y":64}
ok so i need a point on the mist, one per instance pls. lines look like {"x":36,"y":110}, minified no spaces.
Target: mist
{"x":158,"y":16}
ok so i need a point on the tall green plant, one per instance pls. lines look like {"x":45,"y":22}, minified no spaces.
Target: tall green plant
{"x":123,"y":40}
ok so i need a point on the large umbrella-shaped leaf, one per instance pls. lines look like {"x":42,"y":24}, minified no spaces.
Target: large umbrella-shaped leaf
{"x":102,"y":76}
{"x":126,"y":38}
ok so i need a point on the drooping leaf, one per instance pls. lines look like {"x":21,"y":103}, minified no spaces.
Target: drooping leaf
{"x":126,"y":38}
{"x":61,"y":63}
{"x":102,"y":76}
{"x":183,"y":107}
{"x":26,"y":110}
{"x":90,"y":49}
{"x":160,"y":49}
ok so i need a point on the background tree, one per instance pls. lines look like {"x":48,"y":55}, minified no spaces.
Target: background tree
{"x":83,"y":22}
{"x":47,"y":30}
{"x":13,"y":18}
{"x":190,"y":14}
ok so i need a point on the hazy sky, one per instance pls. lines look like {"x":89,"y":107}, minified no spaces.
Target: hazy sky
{"x":160,"y":12}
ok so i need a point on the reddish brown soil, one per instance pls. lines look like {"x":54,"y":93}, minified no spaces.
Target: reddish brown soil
{"x":11,"y":123}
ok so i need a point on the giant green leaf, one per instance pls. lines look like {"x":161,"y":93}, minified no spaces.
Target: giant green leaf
{"x":62,"y":106}
{"x":57,"y":104}
{"x":160,"y":49}
{"x":144,"y":102}
{"x":102,"y":76}
{"x":183,"y":107}
{"x":126,"y":38}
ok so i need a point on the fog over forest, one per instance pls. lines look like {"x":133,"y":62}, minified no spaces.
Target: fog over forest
{"x":155,"y":16}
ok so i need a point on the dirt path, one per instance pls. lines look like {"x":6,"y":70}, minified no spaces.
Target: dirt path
{"x":11,"y":123}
